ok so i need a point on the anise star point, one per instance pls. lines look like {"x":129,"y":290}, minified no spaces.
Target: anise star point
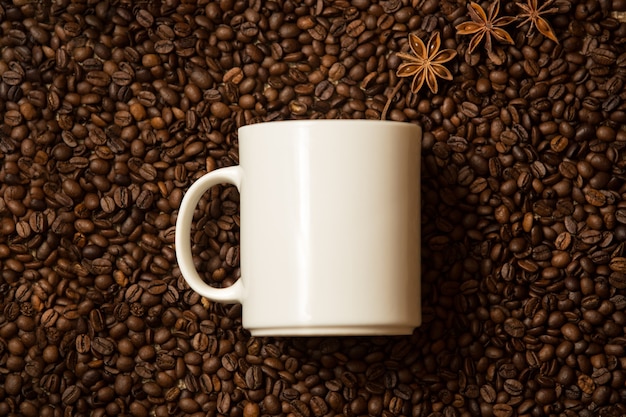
{"x":426,"y":63}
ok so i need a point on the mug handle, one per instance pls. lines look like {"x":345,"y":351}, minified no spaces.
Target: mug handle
{"x":233,"y":293}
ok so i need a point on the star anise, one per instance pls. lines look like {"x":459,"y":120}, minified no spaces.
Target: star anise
{"x":485,"y":25}
{"x":532,"y":14}
{"x":427,"y":62}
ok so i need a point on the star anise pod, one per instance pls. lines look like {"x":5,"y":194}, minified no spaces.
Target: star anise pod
{"x":485,"y":25}
{"x":426,"y":63}
{"x":532,"y":14}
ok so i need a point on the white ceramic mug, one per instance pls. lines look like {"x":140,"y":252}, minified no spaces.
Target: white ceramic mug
{"x":330,"y":228}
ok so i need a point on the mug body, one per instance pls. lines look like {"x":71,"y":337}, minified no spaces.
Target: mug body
{"x":330,"y":227}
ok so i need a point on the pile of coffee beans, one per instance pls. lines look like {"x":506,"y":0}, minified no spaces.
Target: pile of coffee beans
{"x":111,"y":109}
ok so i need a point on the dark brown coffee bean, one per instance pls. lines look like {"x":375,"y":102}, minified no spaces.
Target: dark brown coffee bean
{"x":300,"y":409}
{"x":502,"y":410}
{"x":70,"y":395}
{"x":12,"y":77}
{"x":121,"y":78}
{"x":618,"y":280}
{"x":469,"y":109}
{"x":98,"y":78}
{"x":101,"y":266}
{"x":488,"y":393}
{"x":586,"y":384}
{"x":102,"y":346}
{"x":156,"y":287}
{"x":571,"y":332}
{"x":48,"y":318}
{"x":590,"y":237}
{"x":514,"y":327}
{"x":318,"y":406}
{"x":13,"y":383}
{"x":144,"y":18}
{"x":563,"y":241}
{"x":165,"y":361}
{"x":603,"y":56}
{"x":254,"y":377}
{"x":83,"y":343}
{"x":355,"y":28}
{"x":223,"y":402}
{"x":618,"y":264}
{"x":145,"y":199}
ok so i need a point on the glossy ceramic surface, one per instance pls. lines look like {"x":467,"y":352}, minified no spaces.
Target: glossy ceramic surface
{"x":330,"y":228}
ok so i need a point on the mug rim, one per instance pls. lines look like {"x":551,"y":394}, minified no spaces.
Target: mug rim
{"x":317,"y":122}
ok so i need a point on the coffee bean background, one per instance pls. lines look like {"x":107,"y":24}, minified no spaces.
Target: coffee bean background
{"x":110,"y":110}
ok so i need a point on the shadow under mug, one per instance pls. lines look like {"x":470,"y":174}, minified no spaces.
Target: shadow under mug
{"x":330,"y":228}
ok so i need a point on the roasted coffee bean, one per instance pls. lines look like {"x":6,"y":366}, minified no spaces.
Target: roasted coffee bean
{"x":488,"y":393}
{"x":12,"y":77}
{"x":83,"y":343}
{"x":514,"y":327}
{"x":48,"y":318}
{"x":618,"y":264}
{"x":70,"y":395}
{"x":223,"y":402}
{"x":300,"y":409}
{"x":103,"y":346}
{"x":156,"y":287}
{"x":144,"y":18}
{"x":254,"y":377}
{"x":502,"y":410}
{"x":98,"y":78}
{"x":121,"y":78}
{"x":513,"y":387}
